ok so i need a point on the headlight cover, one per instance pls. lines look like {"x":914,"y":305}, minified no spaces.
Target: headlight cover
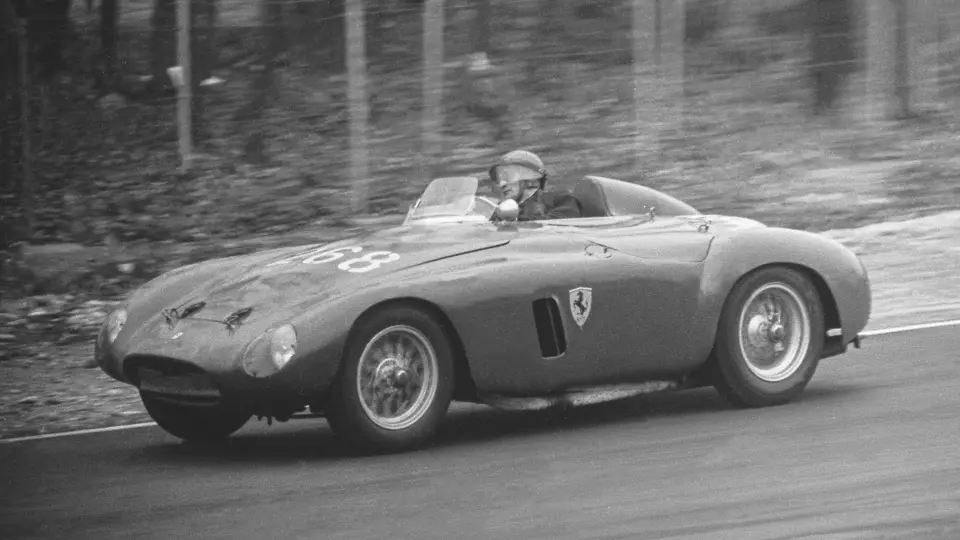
{"x":270,"y":351}
{"x":115,"y":322}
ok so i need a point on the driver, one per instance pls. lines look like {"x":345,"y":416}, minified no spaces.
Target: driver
{"x":522,"y":177}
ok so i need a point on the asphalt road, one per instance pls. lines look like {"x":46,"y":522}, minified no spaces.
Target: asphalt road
{"x":872,"y":450}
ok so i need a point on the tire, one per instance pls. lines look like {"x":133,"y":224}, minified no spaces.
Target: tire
{"x":203,"y":424}
{"x":418,"y":383}
{"x":748,"y":332}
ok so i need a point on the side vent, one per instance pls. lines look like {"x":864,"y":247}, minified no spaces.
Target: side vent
{"x":546,"y":315}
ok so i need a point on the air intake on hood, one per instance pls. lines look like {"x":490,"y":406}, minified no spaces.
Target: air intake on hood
{"x":546,"y":315}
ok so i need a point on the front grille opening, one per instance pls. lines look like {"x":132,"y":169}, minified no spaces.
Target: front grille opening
{"x":165,"y":366}
{"x":210,"y":399}
{"x":546,"y":315}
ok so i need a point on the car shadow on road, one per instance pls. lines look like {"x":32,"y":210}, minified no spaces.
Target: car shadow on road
{"x":477,"y":425}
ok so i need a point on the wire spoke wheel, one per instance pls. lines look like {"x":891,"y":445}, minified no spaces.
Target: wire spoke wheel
{"x":770,"y":338}
{"x":774,"y":332}
{"x":397,"y":377}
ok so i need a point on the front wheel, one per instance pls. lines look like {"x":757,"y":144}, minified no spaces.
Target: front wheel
{"x":207,"y":423}
{"x":396,"y":381}
{"x":770,"y":338}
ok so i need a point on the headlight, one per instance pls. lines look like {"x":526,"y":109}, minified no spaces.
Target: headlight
{"x":115,"y":322}
{"x":269,"y":352}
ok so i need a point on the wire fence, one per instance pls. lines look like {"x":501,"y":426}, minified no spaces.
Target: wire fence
{"x":561,"y":79}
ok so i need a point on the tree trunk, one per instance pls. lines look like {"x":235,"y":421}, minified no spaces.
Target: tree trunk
{"x":109,"y":14}
{"x":832,"y":51}
{"x":8,"y":98}
{"x":204,"y":27}
{"x":162,"y":55}
{"x":433,"y":22}
{"x":480,"y":31}
{"x":8,"y":17}
{"x":203,"y":52}
{"x":901,"y":68}
{"x":186,"y":84}
{"x":264,"y":85}
{"x":26,"y":156}
{"x":359,"y":107}
{"x":644,"y":24}
{"x":673,"y":70}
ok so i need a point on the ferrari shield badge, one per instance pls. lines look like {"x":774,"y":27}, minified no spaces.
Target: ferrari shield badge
{"x":581,"y":301}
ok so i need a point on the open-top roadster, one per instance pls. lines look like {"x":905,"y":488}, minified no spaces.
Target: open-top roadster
{"x":379,"y":332}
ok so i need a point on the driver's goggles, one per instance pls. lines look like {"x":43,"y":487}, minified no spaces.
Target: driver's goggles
{"x":508,"y":174}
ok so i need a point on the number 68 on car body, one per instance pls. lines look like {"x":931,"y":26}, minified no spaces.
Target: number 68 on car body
{"x":357,"y":265}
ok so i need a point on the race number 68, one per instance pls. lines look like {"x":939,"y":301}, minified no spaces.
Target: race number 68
{"x":357,"y":265}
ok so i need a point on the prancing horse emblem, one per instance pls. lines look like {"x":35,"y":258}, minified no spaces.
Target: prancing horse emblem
{"x":581,"y":301}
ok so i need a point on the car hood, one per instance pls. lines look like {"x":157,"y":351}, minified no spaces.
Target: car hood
{"x":296,"y":277}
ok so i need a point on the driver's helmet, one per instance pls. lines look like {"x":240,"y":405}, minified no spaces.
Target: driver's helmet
{"x":519,"y":165}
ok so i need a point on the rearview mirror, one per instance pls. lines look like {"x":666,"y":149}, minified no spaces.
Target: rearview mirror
{"x":508,"y":210}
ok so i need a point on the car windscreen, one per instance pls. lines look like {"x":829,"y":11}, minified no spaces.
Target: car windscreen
{"x":447,"y":197}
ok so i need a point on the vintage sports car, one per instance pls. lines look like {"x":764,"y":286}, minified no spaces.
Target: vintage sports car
{"x":380,"y":332}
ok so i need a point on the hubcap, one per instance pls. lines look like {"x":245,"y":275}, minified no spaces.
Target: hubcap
{"x":397,"y":377}
{"x":774,"y":332}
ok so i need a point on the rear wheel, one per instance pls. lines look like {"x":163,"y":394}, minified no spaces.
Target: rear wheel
{"x":194,"y":423}
{"x":396,"y":381}
{"x":770,"y":338}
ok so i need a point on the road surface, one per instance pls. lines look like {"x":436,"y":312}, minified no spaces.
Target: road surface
{"x":872,"y":450}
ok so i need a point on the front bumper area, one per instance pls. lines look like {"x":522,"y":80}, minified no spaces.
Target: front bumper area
{"x":217,"y":377}
{"x":172,"y":380}
{"x":185,"y":383}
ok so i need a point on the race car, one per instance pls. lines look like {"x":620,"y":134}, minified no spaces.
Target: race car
{"x":379,"y":332}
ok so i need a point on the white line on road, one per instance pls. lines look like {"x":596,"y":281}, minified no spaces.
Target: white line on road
{"x":899,"y":329}
{"x":869,"y":333}
{"x":78,"y":432}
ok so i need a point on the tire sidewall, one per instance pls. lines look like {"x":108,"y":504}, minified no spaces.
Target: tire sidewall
{"x":734,"y":374}
{"x":345,"y":411}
